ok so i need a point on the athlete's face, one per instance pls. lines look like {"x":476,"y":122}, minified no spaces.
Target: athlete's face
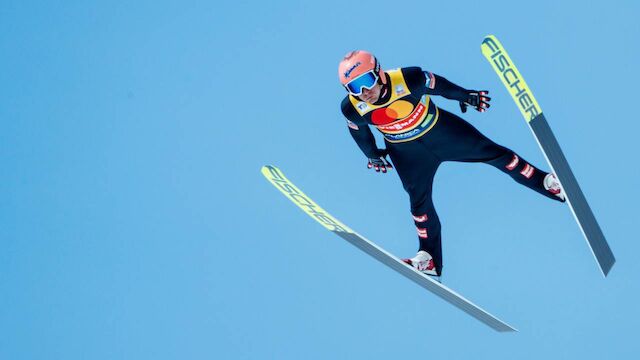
{"x":371,"y":95}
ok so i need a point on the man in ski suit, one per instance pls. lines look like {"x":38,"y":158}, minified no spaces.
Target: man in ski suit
{"x":419,"y":136}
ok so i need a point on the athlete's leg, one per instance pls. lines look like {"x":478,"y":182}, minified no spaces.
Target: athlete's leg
{"x":460,"y":141}
{"x":416,"y":167}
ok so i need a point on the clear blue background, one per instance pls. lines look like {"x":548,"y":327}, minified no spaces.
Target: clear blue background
{"x":135,"y":223}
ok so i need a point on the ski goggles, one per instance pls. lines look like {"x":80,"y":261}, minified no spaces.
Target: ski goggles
{"x":366,"y":80}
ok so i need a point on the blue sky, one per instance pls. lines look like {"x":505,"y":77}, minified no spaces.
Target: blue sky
{"x":135,"y":223}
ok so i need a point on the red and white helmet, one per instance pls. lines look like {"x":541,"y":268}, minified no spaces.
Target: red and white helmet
{"x":354,"y":65}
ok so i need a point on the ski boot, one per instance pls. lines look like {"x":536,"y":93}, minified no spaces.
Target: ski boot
{"x":552,"y":185}
{"x":423,"y":262}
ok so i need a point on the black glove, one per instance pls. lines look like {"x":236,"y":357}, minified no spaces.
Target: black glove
{"x":477,"y":99}
{"x":380,"y":163}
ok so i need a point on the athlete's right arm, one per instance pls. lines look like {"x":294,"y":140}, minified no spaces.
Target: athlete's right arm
{"x":360,"y":131}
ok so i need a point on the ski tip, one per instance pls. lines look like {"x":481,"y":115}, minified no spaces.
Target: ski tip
{"x":489,"y":38}
{"x":490,"y":44}
{"x":270,"y":171}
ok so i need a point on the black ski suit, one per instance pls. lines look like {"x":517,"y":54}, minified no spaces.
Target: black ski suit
{"x":419,"y":136}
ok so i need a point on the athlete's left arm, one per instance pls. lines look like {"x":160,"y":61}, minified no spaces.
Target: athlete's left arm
{"x":434,"y":84}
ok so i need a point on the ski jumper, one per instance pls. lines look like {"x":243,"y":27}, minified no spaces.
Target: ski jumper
{"x":419,"y":136}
